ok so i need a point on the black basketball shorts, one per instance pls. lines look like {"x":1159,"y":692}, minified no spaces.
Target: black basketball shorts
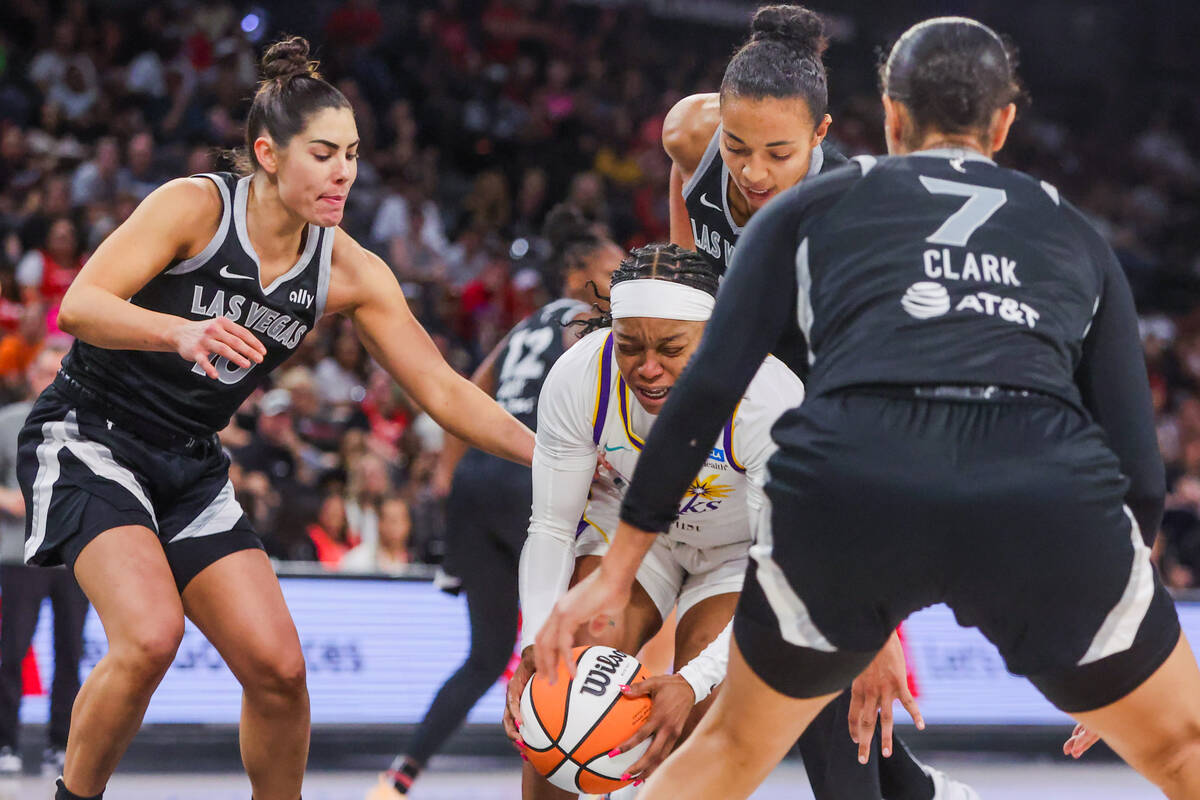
{"x":82,"y":473}
{"x":1010,"y":512}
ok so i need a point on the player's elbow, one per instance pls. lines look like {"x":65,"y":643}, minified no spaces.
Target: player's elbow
{"x":71,"y":313}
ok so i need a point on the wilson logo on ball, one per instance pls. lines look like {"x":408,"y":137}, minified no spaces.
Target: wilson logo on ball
{"x":570,"y":727}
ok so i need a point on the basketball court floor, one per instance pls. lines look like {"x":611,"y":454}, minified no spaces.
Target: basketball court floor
{"x":490,"y":778}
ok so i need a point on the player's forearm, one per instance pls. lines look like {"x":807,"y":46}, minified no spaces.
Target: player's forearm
{"x":547,"y":562}
{"x":100,"y":318}
{"x":463,"y":409}
{"x":708,"y":668}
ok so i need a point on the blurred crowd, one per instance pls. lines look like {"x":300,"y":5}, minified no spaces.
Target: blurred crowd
{"x":475,"y":118}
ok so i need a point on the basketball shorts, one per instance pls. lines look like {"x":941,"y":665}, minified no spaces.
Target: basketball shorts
{"x":1010,"y":512}
{"x":83,"y":472}
{"x":677,"y":575}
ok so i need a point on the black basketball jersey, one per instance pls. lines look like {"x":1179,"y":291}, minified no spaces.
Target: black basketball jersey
{"x":531,"y":349}
{"x":933,"y":269}
{"x":943,"y":268}
{"x":222,"y":280}
{"x":706,"y":195}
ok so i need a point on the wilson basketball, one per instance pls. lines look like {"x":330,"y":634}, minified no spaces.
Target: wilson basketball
{"x":570,"y":728}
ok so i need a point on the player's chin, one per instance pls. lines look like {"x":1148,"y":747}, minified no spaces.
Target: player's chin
{"x":326,"y":217}
{"x":759,"y":199}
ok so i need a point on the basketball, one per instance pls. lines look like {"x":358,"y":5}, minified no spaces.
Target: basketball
{"x":570,"y":728}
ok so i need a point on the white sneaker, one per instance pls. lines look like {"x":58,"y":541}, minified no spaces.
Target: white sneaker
{"x":947,"y":788}
{"x":10,"y":762}
{"x":53,"y":760}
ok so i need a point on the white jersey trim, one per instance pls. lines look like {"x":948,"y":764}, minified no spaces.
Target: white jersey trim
{"x":325,"y":268}
{"x":712,"y":151}
{"x":218,"y":517}
{"x":1120,"y":627}
{"x":214,"y":244}
{"x":241,"y":197}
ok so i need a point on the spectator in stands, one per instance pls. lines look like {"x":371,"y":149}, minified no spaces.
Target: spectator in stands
{"x":340,"y":375}
{"x":24,"y":588}
{"x":96,"y":181}
{"x":389,"y":554}
{"x":45,"y":272}
{"x":330,"y":533}
{"x":369,"y":483}
{"x":19,"y":349}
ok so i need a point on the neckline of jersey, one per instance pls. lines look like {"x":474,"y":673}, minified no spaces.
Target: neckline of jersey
{"x":965,"y":153}
{"x":241,"y":197}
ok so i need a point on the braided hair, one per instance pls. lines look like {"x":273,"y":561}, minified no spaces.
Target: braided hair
{"x":663,"y":262}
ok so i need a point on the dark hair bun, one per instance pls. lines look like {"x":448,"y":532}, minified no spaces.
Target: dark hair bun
{"x":793,"y":26}
{"x":288,"y":58}
{"x":566,"y":225}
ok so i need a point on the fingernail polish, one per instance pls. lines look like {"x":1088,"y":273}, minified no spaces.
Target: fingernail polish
{"x":521,"y":745}
{"x":638,"y":782}
{"x":524,"y":757}
{"x":862,"y":759}
{"x":624,"y":687}
{"x":625,"y":776}
{"x":614,"y":752}
{"x":886,"y":752}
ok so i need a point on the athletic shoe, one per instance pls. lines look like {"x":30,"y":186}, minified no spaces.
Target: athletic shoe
{"x":947,"y":788}
{"x":53,"y":759}
{"x":384,"y":790}
{"x":10,"y":762}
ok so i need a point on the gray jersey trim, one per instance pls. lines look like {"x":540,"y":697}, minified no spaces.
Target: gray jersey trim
{"x":240,"y":198}
{"x":570,"y":308}
{"x":712,"y":151}
{"x":214,"y":244}
{"x":804,"y":309}
{"x":953,"y":153}
{"x":325,"y":267}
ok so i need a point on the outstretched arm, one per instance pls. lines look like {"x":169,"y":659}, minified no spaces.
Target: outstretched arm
{"x":363,"y":288}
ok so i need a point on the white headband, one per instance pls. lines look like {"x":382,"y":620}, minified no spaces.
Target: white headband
{"x":650,"y":297}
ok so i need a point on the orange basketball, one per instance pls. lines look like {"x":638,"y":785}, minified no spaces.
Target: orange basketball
{"x":570,"y":728}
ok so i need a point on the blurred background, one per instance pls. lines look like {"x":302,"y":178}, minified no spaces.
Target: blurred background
{"x":476,"y":116}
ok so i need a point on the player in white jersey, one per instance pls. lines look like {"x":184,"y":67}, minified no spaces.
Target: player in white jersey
{"x":595,"y":409}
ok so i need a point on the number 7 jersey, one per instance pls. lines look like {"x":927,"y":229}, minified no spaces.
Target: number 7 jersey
{"x":941,"y":267}
{"x":222,"y":280}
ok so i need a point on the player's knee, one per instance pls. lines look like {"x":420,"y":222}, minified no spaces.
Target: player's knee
{"x":152,"y":647}
{"x":1176,"y":763}
{"x":282,"y":674}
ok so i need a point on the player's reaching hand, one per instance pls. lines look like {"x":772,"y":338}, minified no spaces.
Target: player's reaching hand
{"x":884,"y":681}
{"x":198,"y":340}
{"x":673,"y":698}
{"x":594,"y":599}
{"x":1080,"y":742}
{"x":516,"y":685}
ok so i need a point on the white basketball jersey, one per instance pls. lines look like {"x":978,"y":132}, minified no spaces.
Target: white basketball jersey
{"x":715,"y":511}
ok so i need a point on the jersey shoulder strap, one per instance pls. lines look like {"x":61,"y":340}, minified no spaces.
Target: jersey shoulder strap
{"x":604,"y":387}
{"x":224,"y":182}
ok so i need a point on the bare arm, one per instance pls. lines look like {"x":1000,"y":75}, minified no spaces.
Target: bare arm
{"x":681,"y":229}
{"x":687,"y":130}
{"x":164,"y":227}
{"x":364,"y":289}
